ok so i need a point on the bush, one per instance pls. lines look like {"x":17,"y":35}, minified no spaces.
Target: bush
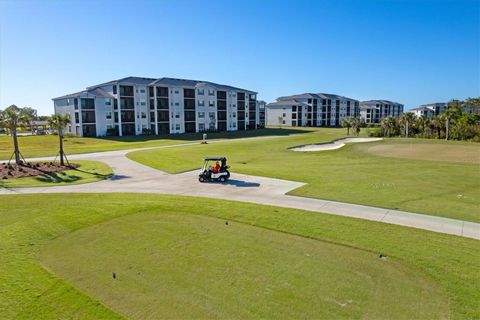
{"x":146,"y":131}
{"x":112,"y":132}
{"x":375,"y":132}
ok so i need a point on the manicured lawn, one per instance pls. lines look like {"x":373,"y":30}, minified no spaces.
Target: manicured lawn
{"x":89,"y":171}
{"x":176,"y":257}
{"x":350,"y":174}
{"x":43,"y":146}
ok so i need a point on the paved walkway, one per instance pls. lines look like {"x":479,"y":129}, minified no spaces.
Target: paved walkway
{"x":131,"y":176}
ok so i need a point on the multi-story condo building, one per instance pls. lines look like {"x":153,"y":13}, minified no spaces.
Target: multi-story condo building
{"x":431,"y":109}
{"x":373,"y":111}
{"x":311,"y":109}
{"x":261,"y":113}
{"x":134,"y":106}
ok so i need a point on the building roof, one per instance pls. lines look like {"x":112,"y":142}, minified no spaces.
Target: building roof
{"x":97,"y":92}
{"x":369,"y":102}
{"x":315,"y":96}
{"x":285,"y":103}
{"x":168,"y":82}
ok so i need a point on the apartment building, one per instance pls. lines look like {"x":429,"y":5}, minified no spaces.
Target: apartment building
{"x":311,"y":109}
{"x":373,"y":111}
{"x":135,"y":106}
{"x":431,"y":109}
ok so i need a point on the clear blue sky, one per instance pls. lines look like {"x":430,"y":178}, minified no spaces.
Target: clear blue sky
{"x":413,"y":52}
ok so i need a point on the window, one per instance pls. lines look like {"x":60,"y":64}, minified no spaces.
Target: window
{"x":144,"y":115}
{"x":283,"y":121}
{"x":177,"y":104}
{"x":201,"y":103}
{"x":201,"y":114}
{"x":108,"y":101}
{"x":211,"y":92}
{"x":143,"y":102}
{"x":201,"y":126}
{"x":114,"y":89}
{"x":211,"y":115}
{"x":176,"y":91}
{"x":234,"y":115}
{"x":108,"y":115}
{"x":177,"y":126}
{"x":284,"y":115}
{"x":211,"y":103}
{"x":142,"y":90}
{"x":201,"y":92}
{"x":252,"y":97}
{"x":246,"y":114}
{"x":177,"y":115}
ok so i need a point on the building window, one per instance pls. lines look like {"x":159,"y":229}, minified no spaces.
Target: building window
{"x":246,"y":114}
{"x":176,"y":91}
{"x":211,"y":115}
{"x":201,"y":92}
{"x":114,"y":89}
{"x":144,"y":115}
{"x":283,"y":121}
{"x":201,"y":114}
{"x":201,"y":126}
{"x":142,"y":90}
{"x":143,"y":102}
{"x":211,"y":103}
{"x":177,"y":115}
{"x":234,"y":115}
{"x":108,"y":115}
{"x":201,"y":103}
{"x":177,"y":104}
{"x":252,"y":97}
{"x":211,"y":92}
{"x":284,"y":115}
{"x":108,"y":101}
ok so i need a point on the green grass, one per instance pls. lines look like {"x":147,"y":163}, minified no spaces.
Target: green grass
{"x":175,"y":256}
{"x":350,"y":174}
{"x":89,"y":171}
{"x":43,"y":146}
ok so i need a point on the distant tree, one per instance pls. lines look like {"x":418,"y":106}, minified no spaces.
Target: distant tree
{"x":389,"y":125}
{"x":453,"y":112}
{"x":437,"y":125}
{"x":347,"y":123}
{"x":356,"y":124}
{"x":423,"y":122}
{"x":59,"y":122}
{"x":11,"y":119}
{"x":407,"y":121}
{"x":32,"y":116}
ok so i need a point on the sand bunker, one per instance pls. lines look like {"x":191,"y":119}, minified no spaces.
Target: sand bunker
{"x":332,"y":145}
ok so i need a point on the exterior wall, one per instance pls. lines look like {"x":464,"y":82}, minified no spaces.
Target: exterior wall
{"x":279,"y":116}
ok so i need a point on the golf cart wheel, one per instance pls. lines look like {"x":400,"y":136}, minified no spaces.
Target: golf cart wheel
{"x":228,"y":174}
{"x":222,"y":179}
{"x":201,"y":179}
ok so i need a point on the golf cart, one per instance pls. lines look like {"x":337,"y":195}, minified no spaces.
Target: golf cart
{"x":207,"y":172}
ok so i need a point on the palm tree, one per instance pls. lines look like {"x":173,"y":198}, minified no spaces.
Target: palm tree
{"x":407,"y":120}
{"x":388,"y":125}
{"x":59,"y":122}
{"x":452,"y":113}
{"x":423,"y":122}
{"x":11,"y":118}
{"x":436,"y":123}
{"x":347,"y":123}
{"x":356,"y":124}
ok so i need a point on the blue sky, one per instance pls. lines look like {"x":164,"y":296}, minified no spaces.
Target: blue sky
{"x":413,"y":52}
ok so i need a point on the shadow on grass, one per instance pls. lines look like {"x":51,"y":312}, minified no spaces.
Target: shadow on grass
{"x":58,"y":177}
{"x":212,"y":135}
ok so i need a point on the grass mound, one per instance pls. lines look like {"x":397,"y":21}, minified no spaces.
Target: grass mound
{"x":117,"y":228}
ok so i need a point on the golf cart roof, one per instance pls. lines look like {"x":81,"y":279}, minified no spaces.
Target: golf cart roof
{"x":214,"y":159}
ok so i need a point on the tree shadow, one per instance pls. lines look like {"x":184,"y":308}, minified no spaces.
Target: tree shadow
{"x":211,"y":135}
{"x":57,"y":177}
{"x":242,"y":184}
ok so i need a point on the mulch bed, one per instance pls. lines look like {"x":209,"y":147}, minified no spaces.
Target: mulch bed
{"x":32,"y":169}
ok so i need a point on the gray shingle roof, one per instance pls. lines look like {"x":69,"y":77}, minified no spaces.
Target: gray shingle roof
{"x":97,"y":92}
{"x":315,"y":96}
{"x":285,"y":103}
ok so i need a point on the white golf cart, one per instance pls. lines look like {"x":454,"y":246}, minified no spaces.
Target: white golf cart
{"x":207,"y":173}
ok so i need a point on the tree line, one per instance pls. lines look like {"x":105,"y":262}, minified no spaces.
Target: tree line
{"x":455,"y":123}
{"x":14,"y":118}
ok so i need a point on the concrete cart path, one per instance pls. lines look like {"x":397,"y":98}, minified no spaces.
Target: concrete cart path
{"x":131,"y":176}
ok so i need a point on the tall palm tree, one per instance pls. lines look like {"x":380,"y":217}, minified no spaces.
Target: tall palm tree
{"x":59,"y":122}
{"x":357,"y":123}
{"x":11,"y":118}
{"x":347,"y":123}
{"x":423,"y":122}
{"x":388,"y":125}
{"x":450,"y":115}
{"x":436,"y":124}
{"x":407,"y":120}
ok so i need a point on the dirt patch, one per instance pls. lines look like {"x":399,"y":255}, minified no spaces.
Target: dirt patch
{"x":32,"y":169}
{"x":424,"y":151}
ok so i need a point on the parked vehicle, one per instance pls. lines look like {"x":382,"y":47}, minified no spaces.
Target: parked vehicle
{"x":207,"y":173}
